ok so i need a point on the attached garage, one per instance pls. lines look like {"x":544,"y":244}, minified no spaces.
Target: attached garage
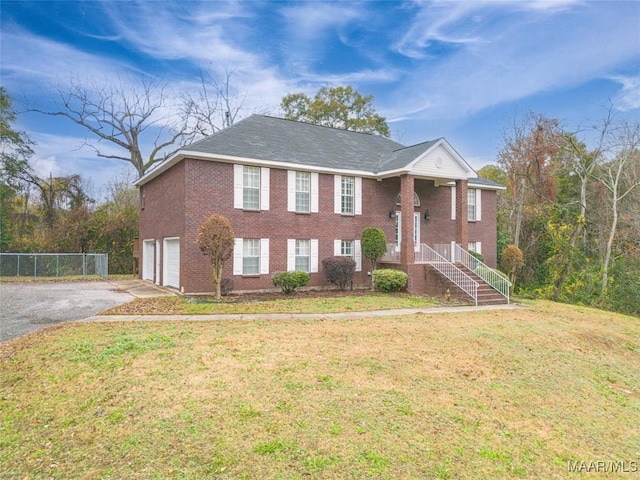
{"x":148,"y":260}
{"x":171,"y":262}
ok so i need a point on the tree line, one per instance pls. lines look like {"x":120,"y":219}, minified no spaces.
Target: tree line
{"x":573,"y":211}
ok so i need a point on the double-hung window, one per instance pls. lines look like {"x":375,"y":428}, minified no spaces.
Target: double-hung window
{"x":347,"y":195}
{"x":303,"y":192}
{"x":473,"y":204}
{"x":303,"y":255}
{"x":251,"y":256}
{"x":346,"y":248}
{"x":250,"y":188}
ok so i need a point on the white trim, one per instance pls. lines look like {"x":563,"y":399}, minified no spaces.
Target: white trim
{"x":237,"y":256}
{"x":337,"y":194}
{"x":291,"y":191}
{"x":158,"y":261}
{"x":314,"y":192}
{"x":237,"y":186}
{"x":291,"y":254}
{"x":416,"y":231}
{"x":189,"y":154}
{"x":148,"y":259}
{"x":357,"y":209}
{"x":167,"y":279}
{"x":264,"y":256}
{"x":357,"y":254}
{"x":453,"y":203}
{"x":313,"y":258}
{"x":264,"y":188}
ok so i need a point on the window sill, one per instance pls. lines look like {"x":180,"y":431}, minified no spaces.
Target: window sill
{"x":302,"y":213}
{"x":250,"y":275}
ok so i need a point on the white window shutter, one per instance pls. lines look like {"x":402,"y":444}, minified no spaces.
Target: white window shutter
{"x":313,"y":267}
{"x":478,"y":205}
{"x":291,"y":254}
{"x":337,"y":194}
{"x":237,"y":186}
{"x":264,"y":256}
{"x":337,"y":248}
{"x":291,"y":191}
{"x":264,"y":188}
{"x":314,"y":193}
{"x":453,"y":203}
{"x":479,"y":247}
{"x":358,"y":196}
{"x":357,"y":255}
{"x":237,"y":256}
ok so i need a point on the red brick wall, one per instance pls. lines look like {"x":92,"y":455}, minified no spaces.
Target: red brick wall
{"x":179,"y":200}
{"x":163,"y":214}
{"x":485,"y":230}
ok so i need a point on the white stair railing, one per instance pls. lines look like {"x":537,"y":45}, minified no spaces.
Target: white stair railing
{"x":392,"y":254}
{"x":495,"y":279}
{"x":449,"y":270}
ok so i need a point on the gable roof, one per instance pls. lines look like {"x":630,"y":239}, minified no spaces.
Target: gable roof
{"x":282,"y":142}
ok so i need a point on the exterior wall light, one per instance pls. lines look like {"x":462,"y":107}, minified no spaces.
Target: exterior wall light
{"x":427,"y":215}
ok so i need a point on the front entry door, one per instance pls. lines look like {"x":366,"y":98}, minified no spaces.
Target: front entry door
{"x":416,"y":231}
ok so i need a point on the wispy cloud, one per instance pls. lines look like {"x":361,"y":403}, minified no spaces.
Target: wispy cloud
{"x":629,"y":97}
{"x":500,"y":64}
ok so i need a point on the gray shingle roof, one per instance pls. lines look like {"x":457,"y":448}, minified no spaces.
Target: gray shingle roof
{"x":276,"y":139}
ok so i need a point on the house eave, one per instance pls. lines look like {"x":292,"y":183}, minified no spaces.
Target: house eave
{"x":188,"y":154}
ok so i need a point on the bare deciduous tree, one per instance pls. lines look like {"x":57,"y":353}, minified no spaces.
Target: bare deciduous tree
{"x":619,"y":174}
{"x":216,"y":105}
{"x":215,"y":239}
{"x":131,"y":116}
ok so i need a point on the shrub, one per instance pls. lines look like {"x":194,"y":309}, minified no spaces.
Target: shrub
{"x":390,"y":280}
{"x":289,"y":281}
{"x":477,"y":256}
{"x":373,"y":244}
{"x":226,"y":286}
{"x":339,"y":271}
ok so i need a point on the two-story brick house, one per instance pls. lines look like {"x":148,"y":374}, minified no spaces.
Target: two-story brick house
{"x":296,"y":193}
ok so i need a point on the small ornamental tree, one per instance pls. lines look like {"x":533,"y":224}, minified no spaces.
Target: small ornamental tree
{"x":512,"y":261}
{"x":339,"y":271}
{"x":215,"y":239}
{"x":374,"y":246}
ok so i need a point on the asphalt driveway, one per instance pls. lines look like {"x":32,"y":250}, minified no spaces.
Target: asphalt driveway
{"x":26,"y":307}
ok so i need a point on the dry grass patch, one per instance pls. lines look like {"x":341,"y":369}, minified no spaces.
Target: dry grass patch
{"x":489,"y":395}
{"x":302,"y":302}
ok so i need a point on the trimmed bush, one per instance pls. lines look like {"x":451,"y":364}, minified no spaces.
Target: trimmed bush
{"x":289,"y":281}
{"x":226,"y":286}
{"x":390,"y":280}
{"x":339,"y":271}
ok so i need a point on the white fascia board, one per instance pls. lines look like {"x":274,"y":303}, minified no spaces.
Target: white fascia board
{"x":183,"y":154}
{"x":485,"y":187}
{"x":454,"y":154}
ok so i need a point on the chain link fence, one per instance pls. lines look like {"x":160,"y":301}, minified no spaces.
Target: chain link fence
{"x":40,"y":265}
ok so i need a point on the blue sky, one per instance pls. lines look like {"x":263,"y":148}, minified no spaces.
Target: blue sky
{"x":456,"y":69}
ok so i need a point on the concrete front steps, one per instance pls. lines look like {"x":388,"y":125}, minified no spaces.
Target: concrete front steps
{"x":487,"y":295}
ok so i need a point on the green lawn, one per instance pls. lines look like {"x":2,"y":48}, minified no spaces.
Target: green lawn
{"x":297,"y":303}
{"x":497,"y":394}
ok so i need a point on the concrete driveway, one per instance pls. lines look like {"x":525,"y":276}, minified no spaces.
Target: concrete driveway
{"x":26,"y":307}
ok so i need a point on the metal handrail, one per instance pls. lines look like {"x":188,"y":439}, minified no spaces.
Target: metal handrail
{"x":495,"y":279}
{"x":449,"y":270}
{"x":392,"y":254}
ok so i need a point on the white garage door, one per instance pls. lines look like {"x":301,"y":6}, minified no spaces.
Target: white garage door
{"x":171,"y":263}
{"x":148,"y":262}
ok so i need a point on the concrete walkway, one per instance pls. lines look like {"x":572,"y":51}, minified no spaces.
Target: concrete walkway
{"x":142,"y":288}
